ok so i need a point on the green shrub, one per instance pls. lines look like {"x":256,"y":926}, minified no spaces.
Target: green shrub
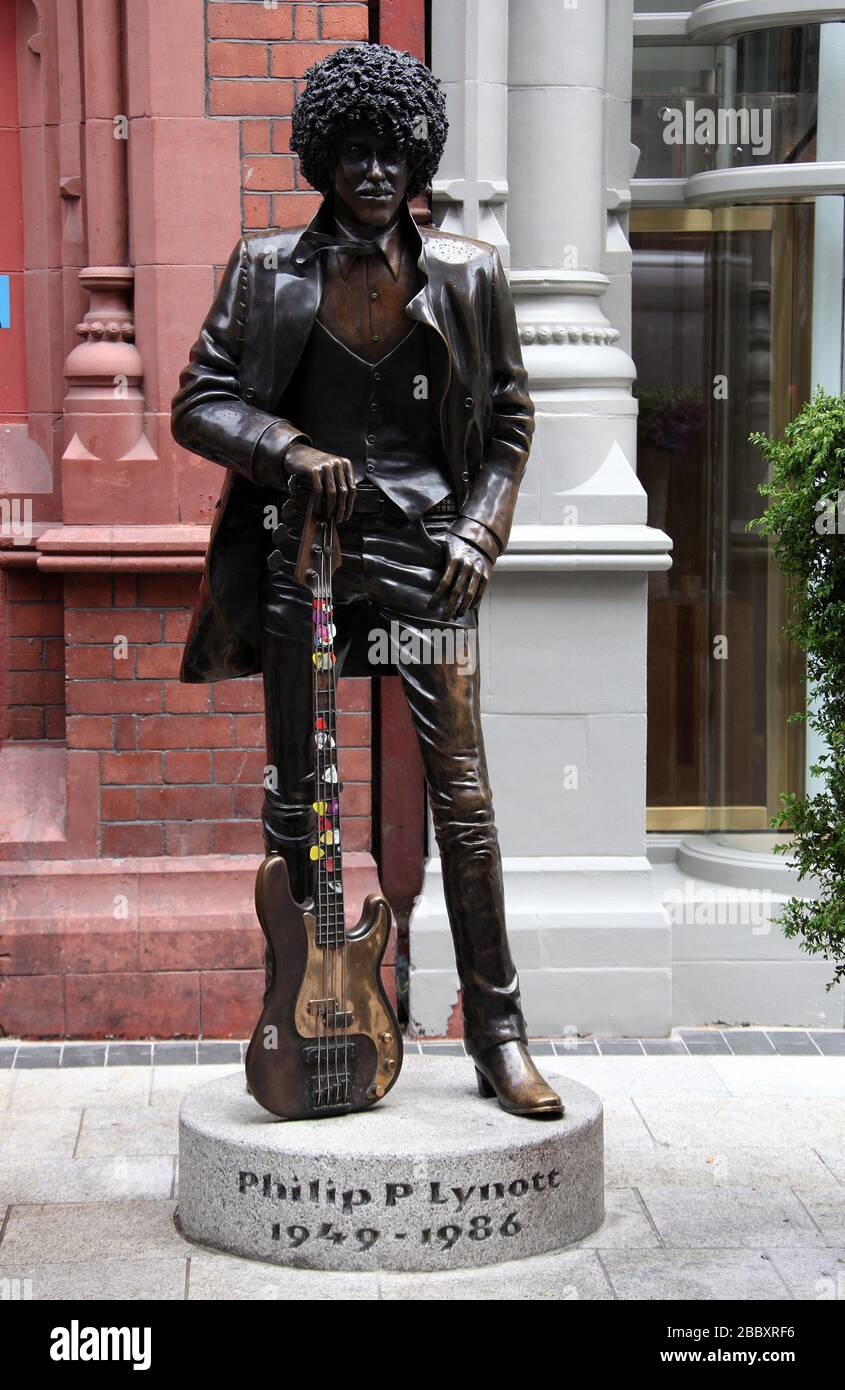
{"x":806,"y":520}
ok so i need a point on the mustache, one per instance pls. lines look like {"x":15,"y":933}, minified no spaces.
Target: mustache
{"x":373,"y":190}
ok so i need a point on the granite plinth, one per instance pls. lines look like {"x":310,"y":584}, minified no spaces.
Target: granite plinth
{"x":433,"y":1178}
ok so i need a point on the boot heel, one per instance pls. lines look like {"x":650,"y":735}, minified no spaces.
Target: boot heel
{"x":484,"y":1088}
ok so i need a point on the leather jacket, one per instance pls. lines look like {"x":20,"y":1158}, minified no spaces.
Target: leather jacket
{"x":245,"y":356}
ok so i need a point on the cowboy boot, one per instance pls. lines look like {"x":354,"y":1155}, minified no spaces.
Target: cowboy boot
{"x":507,"y":1072}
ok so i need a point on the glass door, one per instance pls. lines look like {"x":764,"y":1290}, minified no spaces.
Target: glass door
{"x":721,"y":341}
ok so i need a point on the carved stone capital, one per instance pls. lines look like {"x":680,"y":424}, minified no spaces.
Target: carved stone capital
{"x":107,"y":349}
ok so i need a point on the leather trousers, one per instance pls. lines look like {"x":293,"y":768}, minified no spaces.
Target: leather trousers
{"x":390,"y":568}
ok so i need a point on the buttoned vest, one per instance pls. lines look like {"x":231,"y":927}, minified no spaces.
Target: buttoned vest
{"x":379,"y":415}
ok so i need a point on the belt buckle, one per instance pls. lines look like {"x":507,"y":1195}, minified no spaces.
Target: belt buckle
{"x":369,"y":501}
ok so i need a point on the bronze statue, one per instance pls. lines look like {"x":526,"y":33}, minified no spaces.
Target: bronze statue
{"x":377,"y":365}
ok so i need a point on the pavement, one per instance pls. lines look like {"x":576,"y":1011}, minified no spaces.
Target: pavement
{"x":724,"y":1169}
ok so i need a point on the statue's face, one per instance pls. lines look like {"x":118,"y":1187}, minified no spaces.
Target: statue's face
{"x":370,"y":177}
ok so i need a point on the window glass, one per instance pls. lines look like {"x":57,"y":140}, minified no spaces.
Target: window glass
{"x":752,"y":101}
{"x":721,"y":341}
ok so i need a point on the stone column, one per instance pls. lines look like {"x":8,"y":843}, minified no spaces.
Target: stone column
{"x":104,"y":405}
{"x":563,"y":629}
{"x":470,"y":56}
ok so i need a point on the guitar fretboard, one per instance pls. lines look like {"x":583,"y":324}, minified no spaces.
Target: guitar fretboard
{"x":327,"y":850}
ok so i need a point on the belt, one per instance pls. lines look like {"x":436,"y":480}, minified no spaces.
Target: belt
{"x":370,"y":501}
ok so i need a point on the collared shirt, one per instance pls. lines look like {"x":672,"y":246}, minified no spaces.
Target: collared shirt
{"x":364,"y":297}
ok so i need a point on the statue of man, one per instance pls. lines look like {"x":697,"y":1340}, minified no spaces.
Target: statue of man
{"x":378,"y":364}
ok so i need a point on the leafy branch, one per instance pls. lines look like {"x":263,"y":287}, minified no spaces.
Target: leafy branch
{"x":806,"y":520}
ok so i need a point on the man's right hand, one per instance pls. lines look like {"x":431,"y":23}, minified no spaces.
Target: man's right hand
{"x":328,"y":476}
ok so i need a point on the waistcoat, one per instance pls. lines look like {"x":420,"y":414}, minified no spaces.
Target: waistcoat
{"x":377,"y":414}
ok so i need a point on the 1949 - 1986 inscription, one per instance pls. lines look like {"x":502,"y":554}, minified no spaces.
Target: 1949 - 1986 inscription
{"x":480,"y":1226}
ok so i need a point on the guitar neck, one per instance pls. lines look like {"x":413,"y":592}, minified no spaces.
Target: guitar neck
{"x":327,"y":850}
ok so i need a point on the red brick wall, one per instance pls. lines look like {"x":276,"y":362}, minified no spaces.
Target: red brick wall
{"x":155,"y":768}
{"x":180,"y":766}
{"x":34,"y":684}
{"x":256,"y":59}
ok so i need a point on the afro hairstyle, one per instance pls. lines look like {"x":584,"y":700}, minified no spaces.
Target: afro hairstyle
{"x":369,"y":82}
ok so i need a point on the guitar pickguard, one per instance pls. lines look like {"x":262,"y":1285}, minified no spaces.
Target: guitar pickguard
{"x":360,"y":995}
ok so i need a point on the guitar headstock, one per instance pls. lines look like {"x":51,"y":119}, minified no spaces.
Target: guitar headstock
{"x":319,"y":551}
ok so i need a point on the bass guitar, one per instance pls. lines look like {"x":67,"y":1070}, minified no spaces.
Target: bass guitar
{"x":327,"y":1041}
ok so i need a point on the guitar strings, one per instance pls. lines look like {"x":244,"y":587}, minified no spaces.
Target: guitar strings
{"x":337,"y":858}
{"x":315,"y":616}
{"x":337,"y":847}
{"x":326,"y":741}
{"x":323,"y":794}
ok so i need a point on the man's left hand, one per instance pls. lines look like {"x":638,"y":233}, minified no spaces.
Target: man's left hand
{"x":464,"y":578}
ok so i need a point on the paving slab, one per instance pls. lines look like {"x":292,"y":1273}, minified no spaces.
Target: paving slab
{"x":39,"y":1134}
{"x":833,"y":1157}
{"x":170,"y":1054}
{"x":80,"y":1086}
{"x":39,"y":1056}
{"x":89,"y":1231}
{"x":626,"y":1224}
{"x":84,"y":1055}
{"x":160,"y":1280}
{"x":85,"y":1179}
{"x":813,"y":1274}
{"x":564,"y":1276}
{"x":748,"y":1043}
{"x":221,"y":1276}
{"x":829,"y":1042}
{"x":644,"y":1076}
{"x":170,"y":1085}
{"x":141,"y":1129}
{"x":730,"y":1218}
{"x":826,"y":1206}
{"x":792,"y":1041}
{"x":701,"y":1165}
{"x":718,"y":1123}
{"x":623,"y":1123}
{"x":699,"y":1275}
{"x":130,"y":1054}
{"x":782,"y":1076}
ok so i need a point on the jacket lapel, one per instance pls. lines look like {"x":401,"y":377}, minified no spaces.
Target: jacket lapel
{"x":296,"y":299}
{"x":423,"y":308}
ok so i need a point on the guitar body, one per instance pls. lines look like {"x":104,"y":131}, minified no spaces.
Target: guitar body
{"x":327,"y":1041}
